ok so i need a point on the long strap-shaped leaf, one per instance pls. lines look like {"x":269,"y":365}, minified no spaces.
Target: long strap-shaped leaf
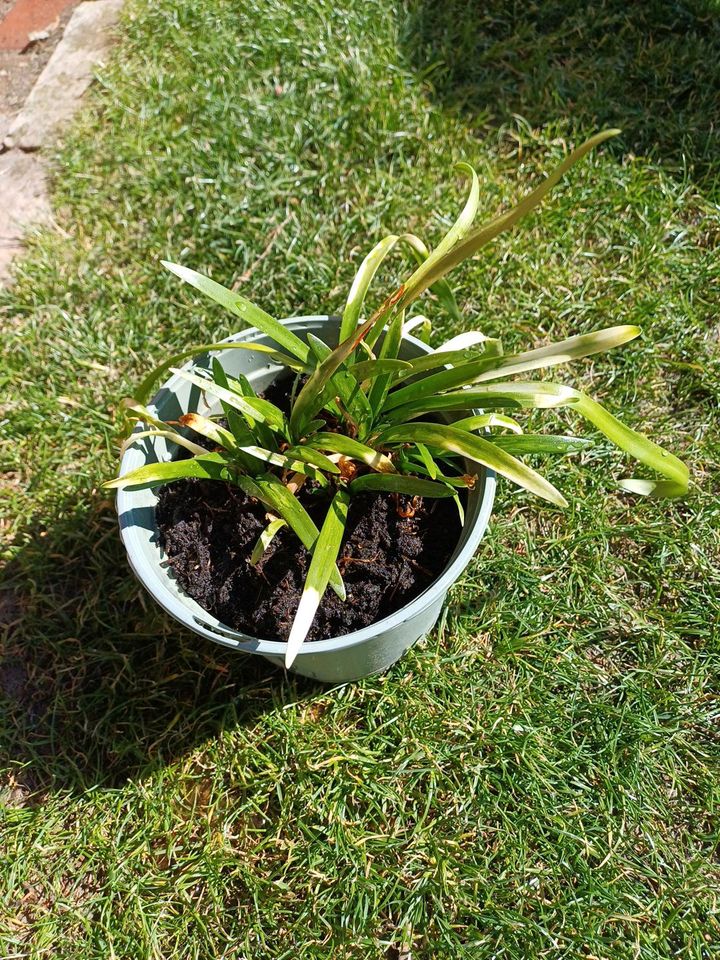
{"x":400,"y":483}
{"x":312,"y":396}
{"x":454,"y":235}
{"x":265,"y":539}
{"x":254,"y":407}
{"x":542,"y":395}
{"x":275,"y":495}
{"x":574,"y":348}
{"x":529,"y":443}
{"x":478,"y":237}
{"x":477,"y":449}
{"x":322,"y":565}
{"x":344,"y":388}
{"x":168,"y":434}
{"x":243,"y":308}
{"x":209,"y":466}
{"x":347,"y":447}
{"x":209,"y":429}
{"x":143,"y":392}
{"x":492,"y":368}
{"x":366,"y":273}
{"x":362,"y":280}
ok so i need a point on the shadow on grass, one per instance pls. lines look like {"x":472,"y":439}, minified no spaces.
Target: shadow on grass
{"x":652,"y":68}
{"x":97,"y":685}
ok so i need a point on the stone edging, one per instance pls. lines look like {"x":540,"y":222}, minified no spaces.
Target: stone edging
{"x":51,"y":103}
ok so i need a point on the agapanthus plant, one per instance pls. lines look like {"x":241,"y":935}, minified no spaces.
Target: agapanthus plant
{"x":363,"y":420}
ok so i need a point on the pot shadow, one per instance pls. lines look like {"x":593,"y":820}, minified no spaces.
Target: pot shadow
{"x":652,"y":68}
{"x":97,"y":684}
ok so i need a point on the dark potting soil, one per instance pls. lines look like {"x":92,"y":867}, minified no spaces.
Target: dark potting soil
{"x":208,"y":530}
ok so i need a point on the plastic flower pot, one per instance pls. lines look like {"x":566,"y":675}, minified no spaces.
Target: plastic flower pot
{"x":335,"y":659}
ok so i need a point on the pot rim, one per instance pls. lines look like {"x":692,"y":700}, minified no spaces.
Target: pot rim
{"x":155,"y":583}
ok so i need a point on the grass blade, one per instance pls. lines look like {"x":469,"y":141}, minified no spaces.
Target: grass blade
{"x":322,"y":565}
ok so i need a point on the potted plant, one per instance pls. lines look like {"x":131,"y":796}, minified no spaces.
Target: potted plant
{"x":275,"y":465}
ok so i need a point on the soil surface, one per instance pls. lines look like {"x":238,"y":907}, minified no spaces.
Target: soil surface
{"x":208,"y":530}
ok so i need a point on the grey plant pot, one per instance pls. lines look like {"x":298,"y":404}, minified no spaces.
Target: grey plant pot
{"x":336,"y":659}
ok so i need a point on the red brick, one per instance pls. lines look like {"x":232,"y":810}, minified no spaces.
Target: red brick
{"x":29,"y":16}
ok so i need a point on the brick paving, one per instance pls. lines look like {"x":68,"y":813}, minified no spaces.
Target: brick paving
{"x":27,"y":17}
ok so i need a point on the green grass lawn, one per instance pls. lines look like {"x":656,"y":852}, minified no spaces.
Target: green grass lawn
{"x":540,"y":777}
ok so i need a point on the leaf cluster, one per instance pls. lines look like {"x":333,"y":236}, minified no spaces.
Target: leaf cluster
{"x":362,"y":419}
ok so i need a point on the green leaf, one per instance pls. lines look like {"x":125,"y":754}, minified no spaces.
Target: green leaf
{"x":281,"y":501}
{"x":239,"y":428}
{"x":168,"y":434}
{"x":388,"y":351}
{"x":347,"y":447}
{"x":399,"y":483}
{"x":209,"y":466}
{"x":540,"y":443}
{"x":370,"y":369}
{"x":361,"y":283}
{"x":262,"y":433}
{"x":446,"y":358}
{"x":265,"y":539}
{"x":491,"y":368}
{"x":284,"y":462}
{"x":209,"y":429}
{"x":137,"y":411}
{"x":532,"y":394}
{"x":477,"y":449}
{"x":142,"y":393}
{"x":477,"y":238}
{"x":456,"y":233}
{"x":322,"y":565}
{"x":441,"y":288}
{"x":484,"y":421}
{"x":574,"y":348}
{"x":313,"y":457}
{"x":432,"y":468}
{"x":545,"y":395}
{"x":241,"y":307}
{"x":353,"y":404}
{"x":312,"y":397}
{"x":435,"y":383}
{"x":253,"y":407}
{"x":366,"y":272}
